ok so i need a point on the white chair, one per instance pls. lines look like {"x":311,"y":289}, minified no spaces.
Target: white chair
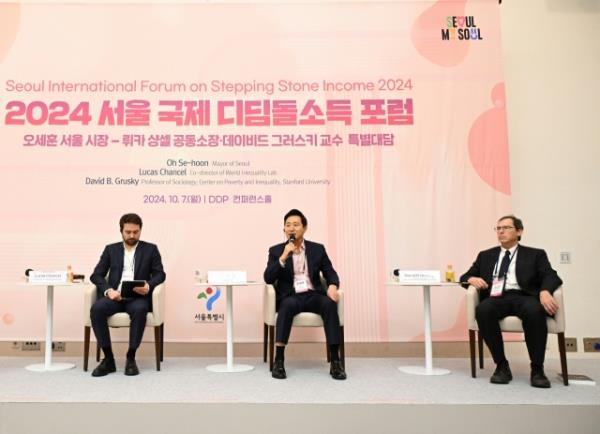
{"x":154,"y":319}
{"x":303,"y":319}
{"x":556,"y":325}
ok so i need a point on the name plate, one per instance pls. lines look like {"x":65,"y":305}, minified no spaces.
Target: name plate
{"x":226,"y":277}
{"x":420,"y":276}
{"x":48,"y":277}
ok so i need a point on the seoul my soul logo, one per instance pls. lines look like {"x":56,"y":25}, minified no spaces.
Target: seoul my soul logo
{"x":211,"y":295}
{"x":462,"y":28}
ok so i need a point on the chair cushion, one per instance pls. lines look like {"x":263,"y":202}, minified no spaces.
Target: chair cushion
{"x":514,"y":324}
{"x":121,"y":319}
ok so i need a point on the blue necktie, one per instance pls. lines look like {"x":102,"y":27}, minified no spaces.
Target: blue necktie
{"x":504,"y":265}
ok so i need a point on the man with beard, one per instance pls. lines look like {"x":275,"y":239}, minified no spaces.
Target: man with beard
{"x":128,"y":260}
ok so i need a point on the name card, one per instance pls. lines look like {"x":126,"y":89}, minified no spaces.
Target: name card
{"x":48,"y":277}
{"x":227,"y":277}
{"x":420,"y":276}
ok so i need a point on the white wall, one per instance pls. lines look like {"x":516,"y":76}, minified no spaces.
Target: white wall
{"x":552,"y":67}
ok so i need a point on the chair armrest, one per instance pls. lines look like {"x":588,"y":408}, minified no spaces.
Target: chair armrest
{"x":158,"y":303}
{"x":269,"y":305}
{"x":560,"y":313}
{"x":90,"y":294}
{"x":472,"y":302}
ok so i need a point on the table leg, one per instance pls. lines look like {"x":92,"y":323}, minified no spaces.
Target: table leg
{"x":229,"y":366}
{"x":229,"y":328}
{"x":428,"y":369}
{"x":48,"y":365}
{"x":427,"y":327}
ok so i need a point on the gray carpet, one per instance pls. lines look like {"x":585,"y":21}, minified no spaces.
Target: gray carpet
{"x":370,"y":381}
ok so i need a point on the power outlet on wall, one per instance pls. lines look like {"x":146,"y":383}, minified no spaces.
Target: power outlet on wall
{"x":591,"y":345}
{"x":30,"y":346}
{"x":59,"y":346}
{"x":571,"y":344}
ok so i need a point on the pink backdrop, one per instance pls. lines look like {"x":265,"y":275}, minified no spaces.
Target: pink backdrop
{"x":427,"y":198}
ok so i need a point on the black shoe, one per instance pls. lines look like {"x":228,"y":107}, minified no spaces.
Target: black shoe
{"x":278,"y":370}
{"x":131,"y":367}
{"x":502,"y":375}
{"x":539,"y":379}
{"x":105,"y":367}
{"x":336,"y":370}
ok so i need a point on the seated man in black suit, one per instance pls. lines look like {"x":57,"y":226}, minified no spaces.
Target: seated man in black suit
{"x":513,"y":279}
{"x":294,"y":269}
{"x":130,"y":259}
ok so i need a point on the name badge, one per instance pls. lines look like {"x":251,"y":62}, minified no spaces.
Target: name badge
{"x":301,"y":285}
{"x":497,"y":287}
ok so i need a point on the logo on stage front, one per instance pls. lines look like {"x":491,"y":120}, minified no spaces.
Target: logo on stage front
{"x":210,"y":295}
{"x":461,"y":28}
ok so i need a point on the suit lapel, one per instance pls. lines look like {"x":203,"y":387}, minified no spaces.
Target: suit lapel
{"x":138,"y":258}
{"x":494,"y":260}
{"x":119,"y":261}
{"x":521,"y":259}
{"x":309,"y":256}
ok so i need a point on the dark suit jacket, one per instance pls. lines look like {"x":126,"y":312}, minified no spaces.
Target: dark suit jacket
{"x":282,"y":278}
{"x":148,"y":267}
{"x":533,"y":270}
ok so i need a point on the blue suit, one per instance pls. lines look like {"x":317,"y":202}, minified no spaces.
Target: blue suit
{"x":148,"y":266}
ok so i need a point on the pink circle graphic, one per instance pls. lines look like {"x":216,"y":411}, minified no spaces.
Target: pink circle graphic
{"x":8,"y":318}
{"x":488,"y":143}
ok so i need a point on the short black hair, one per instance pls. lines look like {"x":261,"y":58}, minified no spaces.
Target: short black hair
{"x":130,"y":218}
{"x":295,"y":212}
{"x":517,"y":222}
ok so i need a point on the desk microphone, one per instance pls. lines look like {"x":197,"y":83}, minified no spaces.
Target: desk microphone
{"x":28,"y":271}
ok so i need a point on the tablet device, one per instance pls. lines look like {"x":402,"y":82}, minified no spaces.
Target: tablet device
{"x":127,"y":288}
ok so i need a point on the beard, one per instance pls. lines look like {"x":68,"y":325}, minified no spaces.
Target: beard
{"x":131,"y":241}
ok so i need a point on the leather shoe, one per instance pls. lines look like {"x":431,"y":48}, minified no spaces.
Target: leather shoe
{"x":539,"y":379}
{"x":336,"y":370}
{"x":105,"y":367}
{"x":278,"y":370}
{"x":131,"y":368}
{"x":502,"y":375}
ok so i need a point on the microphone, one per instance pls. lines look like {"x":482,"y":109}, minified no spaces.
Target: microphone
{"x":292,"y":238}
{"x":28,"y":271}
{"x":396,"y":272}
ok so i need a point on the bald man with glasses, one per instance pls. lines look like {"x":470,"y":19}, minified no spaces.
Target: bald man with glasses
{"x":513,"y":279}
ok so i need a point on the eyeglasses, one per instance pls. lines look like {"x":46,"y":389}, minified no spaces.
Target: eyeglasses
{"x":503,"y":228}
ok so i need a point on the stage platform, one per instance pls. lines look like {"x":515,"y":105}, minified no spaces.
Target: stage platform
{"x":184,"y":397}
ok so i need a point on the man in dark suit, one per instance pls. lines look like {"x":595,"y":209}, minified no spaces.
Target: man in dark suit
{"x":294,"y":268}
{"x":131,"y":259}
{"x":513,"y":279}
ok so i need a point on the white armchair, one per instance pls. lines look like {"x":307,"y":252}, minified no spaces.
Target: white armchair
{"x":556,"y":326}
{"x":154,"y":319}
{"x":304,"y":319}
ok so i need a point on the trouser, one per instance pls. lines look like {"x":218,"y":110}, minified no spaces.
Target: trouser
{"x":531,"y":312}
{"x":309,"y":301}
{"x":137,"y":308}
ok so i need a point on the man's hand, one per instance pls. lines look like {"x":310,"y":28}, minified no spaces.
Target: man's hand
{"x":289,"y":248}
{"x":114,"y":295}
{"x":478,"y":283}
{"x":142,"y":290}
{"x":548,"y":302}
{"x":332,"y":293}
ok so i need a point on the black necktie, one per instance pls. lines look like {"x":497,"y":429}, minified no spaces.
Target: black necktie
{"x":504,"y":265}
